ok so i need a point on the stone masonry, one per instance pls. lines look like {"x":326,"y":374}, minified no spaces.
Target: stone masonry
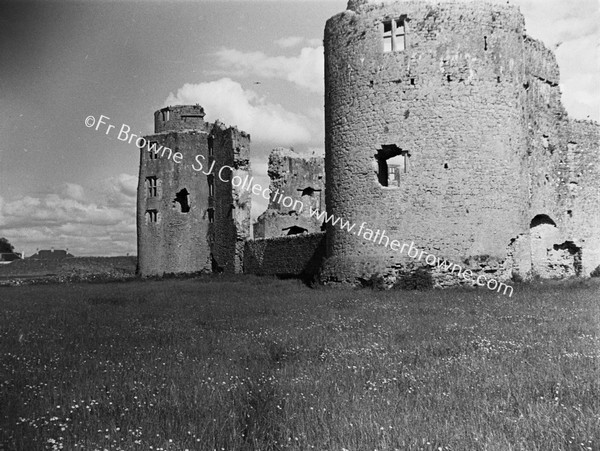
{"x":495,"y":175}
{"x":443,"y":128}
{"x":189,"y":218}
{"x":301,"y":179}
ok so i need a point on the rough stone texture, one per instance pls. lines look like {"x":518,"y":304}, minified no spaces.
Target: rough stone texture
{"x":293,"y":175}
{"x":186,"y":242}
{"x":579,"y":201}
{"x":457,"y":141}
{"x":474,"y":103}
{"x":297,"y":255}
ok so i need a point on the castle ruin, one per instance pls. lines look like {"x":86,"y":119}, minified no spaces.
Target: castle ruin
{"x":494,"y":174}
{"x":299,"y":177}
{"x":443,"y":126}
{"x":189,"y":218}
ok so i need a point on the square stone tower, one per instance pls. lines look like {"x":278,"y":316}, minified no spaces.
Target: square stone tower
{"x":190,"y":218}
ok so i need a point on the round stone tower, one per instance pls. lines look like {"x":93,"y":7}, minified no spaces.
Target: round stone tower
{"x":426,"y":140}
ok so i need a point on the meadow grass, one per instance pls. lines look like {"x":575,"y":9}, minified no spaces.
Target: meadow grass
{"x":247,"y":363}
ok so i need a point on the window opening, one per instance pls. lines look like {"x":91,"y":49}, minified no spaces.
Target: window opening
{"x":182,"y":199}
{"x":394,"y":35}
{"x":295,"y":230}
{"x":308,"y":191}
{"x":152,"y":147}
{"x":152,"y":215}
{"x":391,"y":162}
{"x":211,"y":215}
{"x":211,"y":185}
{"x":541,"y":219}
{"x":152,"y":186}
{"x":211,"y":140}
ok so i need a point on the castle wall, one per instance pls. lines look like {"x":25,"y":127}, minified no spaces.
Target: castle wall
{"x":580,"y":189}
{"x":231,"y":227}
{"x":444,"y":128}
{"x":300,"y":178}
{"x":563,"y":165}
{"x":452,"y":102}
{"x":296,"y":255}
{"x":176,"y":241}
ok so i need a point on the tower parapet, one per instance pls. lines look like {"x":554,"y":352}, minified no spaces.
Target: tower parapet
{"x":177,"y":118}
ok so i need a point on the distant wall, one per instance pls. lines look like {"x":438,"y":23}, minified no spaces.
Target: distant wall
{"x":289,"y":255}
{"x":301,"y":180}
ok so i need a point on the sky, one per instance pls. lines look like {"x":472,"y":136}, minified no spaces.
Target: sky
{"x":253,"y":64}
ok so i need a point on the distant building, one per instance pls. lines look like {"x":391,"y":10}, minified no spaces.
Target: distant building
{"x":52,"y":254}
{"x":8,"y":257}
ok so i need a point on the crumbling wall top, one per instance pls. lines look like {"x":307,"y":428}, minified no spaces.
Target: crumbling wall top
{"x":356,"y":5}
{"x":180,"y":117}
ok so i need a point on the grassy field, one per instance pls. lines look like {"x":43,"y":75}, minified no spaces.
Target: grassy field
{"x":260,"y":364}
{"x":72,"y":269}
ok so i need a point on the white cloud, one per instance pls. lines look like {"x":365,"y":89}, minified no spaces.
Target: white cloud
{"x":290,"y":41}
{"x":120,"y":191}
{"x":580,"y":77}
{"x":294,"y":41}
{"x":73,"y":191}
{"x":305,"y":70}
{"x":554,"y":21}
{"x":227,"y":101}
{"x":69,"y":218}
{"x":127,"y":184}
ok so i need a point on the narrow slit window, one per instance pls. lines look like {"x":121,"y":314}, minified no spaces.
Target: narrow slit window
{"x":211,"y":215}
{"x":153,"y":150}
{"x":211,"y":141}
{"x":211,"y":186}
{"x":152,"y":186}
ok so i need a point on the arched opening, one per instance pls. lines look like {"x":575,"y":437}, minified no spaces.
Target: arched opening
{"x":543,"y":234}
{"x":541,"y":219}
{"x":551,"y":256}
